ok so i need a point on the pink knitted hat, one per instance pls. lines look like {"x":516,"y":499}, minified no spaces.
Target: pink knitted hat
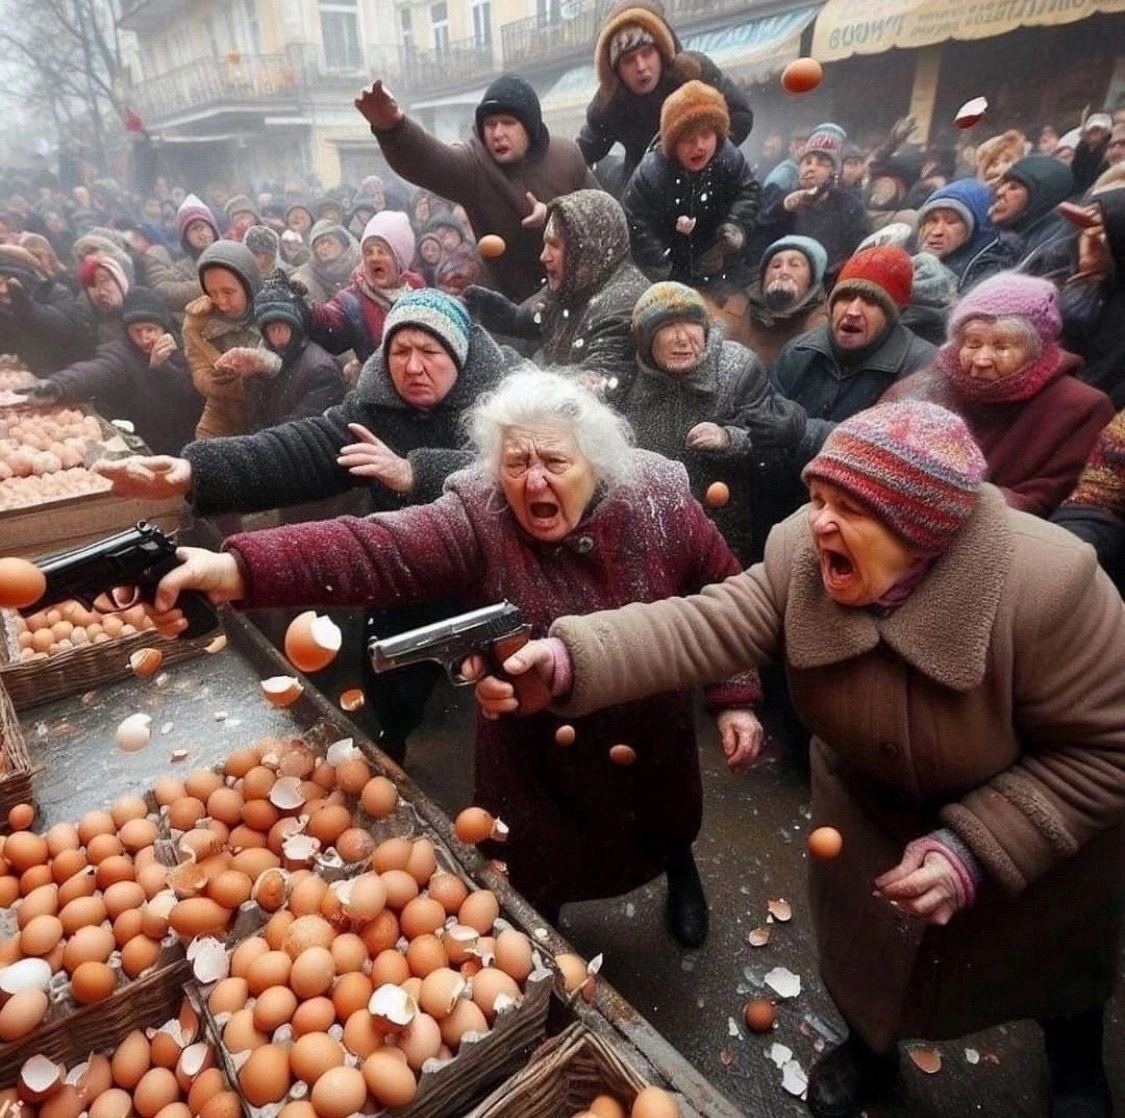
{"x":393,"y":226}
{"x":914,"y":464}
{"x":1011,"y":295}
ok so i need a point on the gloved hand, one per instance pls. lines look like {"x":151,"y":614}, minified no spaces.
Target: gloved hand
{"x":710,"y":263}
{"x":43,"y":392}
{"x":491,"y":309}
{"x":732,"y":237}
{"x":778,"y":426}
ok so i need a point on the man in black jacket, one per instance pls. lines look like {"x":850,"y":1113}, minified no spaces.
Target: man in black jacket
{"x":39,"y":320}
{"x":639,"y":61}
{"x":1037,"y":239}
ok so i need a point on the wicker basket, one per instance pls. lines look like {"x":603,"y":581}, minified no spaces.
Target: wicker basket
{"x":139,"y":1004}
{"x":564,"y":1077}
{"x":80,"y":669}
{"x":15,"y":780}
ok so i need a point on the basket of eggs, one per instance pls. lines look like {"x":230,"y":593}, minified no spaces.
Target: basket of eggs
{"x":577,"y":1074}
{"x":15,"y":762}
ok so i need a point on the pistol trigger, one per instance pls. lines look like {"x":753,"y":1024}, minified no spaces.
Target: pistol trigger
{"x":453,"y":670}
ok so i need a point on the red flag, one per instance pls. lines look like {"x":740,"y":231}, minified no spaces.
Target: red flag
{"x":133,"y":122}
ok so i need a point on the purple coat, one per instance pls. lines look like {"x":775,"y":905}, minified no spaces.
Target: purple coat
{"x":581,"y":826}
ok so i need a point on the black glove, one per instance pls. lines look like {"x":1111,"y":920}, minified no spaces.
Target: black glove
{"x":731,"y":237}
{"x":779,"y":426}
{"x":43,"y":392}
{"x":491,"y":309}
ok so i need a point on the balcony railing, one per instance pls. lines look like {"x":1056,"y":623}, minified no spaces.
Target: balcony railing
{"x":207,"y":82}
{"x":461,"y":62}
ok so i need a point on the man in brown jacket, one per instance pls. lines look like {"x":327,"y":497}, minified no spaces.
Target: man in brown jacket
{"x":504,"y":174}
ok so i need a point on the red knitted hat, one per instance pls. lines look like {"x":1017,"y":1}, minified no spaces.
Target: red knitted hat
{"x":884,"y":274}
{"x":913,"y":463}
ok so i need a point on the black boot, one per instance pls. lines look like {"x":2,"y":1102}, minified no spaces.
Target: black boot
{"x":843,"y":1081}
{"x":686,"y":908}
{"x":1079,"y":1088}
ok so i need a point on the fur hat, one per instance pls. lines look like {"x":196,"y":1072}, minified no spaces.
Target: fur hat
{"x":694,"y":106}
{"x":1005,"y":148}
{"x":664,"y":303}
{"x":884,"y":275}
{"x":392,"y":227}
{"x":913,"y":463}
{"x":435,"y":312}
{"x":632,"y":20}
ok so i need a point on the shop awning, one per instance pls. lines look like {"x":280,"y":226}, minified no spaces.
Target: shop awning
{"x":845,"y":27}
{"x":749,"y":51}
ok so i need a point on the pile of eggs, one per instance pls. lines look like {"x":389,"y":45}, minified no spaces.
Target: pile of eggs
{"x":43,"y":454}
{"x":85,"y":913}
{"x":350,"y":986}
{"x":173,"y":1075}
{"x":16,"y":378}
{"x":71,"y":625}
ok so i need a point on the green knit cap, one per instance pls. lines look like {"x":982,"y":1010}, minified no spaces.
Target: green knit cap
{"x":662,"y":304}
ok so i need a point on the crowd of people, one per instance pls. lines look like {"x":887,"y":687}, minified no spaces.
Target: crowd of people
{"x":625,"y":403}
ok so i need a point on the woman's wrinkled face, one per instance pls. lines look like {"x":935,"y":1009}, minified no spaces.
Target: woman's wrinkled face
{"x":422,"y":369}
{"x":379,"y":263}
{"x":546,"y":479}
{"x":328,"y":249}
{"x":677,"y":348}
{"x":992,"y":350}
{"x":861,"y":559}
{"x":225,"y":290}
{"x":943,"y":231}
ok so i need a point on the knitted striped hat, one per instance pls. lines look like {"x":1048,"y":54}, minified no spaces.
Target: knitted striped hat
{"x":914,"y":464}
{"x":435,"y":312}
{"x":661,"y":304}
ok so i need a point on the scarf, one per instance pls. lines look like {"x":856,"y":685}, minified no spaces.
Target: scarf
{"x":334,"y":275}
{"x":1021,"y":385}
{"x":384,"y":296}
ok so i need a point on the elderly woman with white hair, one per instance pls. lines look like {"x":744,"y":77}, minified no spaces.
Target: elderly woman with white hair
{"x":559,"y":514}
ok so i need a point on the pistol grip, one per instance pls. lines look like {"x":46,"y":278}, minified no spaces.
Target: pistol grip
{"x":532,"y":692}
{"x":200,"y":614}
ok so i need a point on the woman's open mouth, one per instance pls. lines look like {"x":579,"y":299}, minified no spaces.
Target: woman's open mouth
{"x":836,"y":569}
{"x":543,"y":510}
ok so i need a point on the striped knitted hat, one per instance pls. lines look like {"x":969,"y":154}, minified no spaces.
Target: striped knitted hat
{"x":661,"y":304}
{"x":914,"y":464}
{"x":435,"y":312}
{"x":885,"y":275}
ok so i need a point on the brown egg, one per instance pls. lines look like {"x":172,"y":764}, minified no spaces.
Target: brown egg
{"x":22,"y":583}
{"x":206,"y":1085}
{"x":379,"y":796}
{"x":102,"y":846}
{"x":473,"y":825}
{"x":126,"y":808}
{"x":305,"y":932}
{"x":653,"y":1102}
{"x":273,"y":1008}
{"x":353,"y":775}
{"x":156,"y":1089}
{"x":166,"y":1050}
{"x":92,"y":982}
{"x":184,"y":813}
{"x":391,"y":854}
{"x":124,"y":895}
{"x":621,"y":754}
{"x":448,"y":890}
{"x":22,"y":816}
{"x":21,"y":1014}
{"x":175,"y":1110}
{"x":479,"y":910}
{"x":313,"y":972}
{"x":513,"y":954}
{"x":9,"y":891}
{"x":329,"y":823}
{"x":138,"y":955}
{"x":81,"y":912}
{"x":260,"y":814}
{"x":198,"y":916}
{"x":420,"y":1040}
{"x":440,"y":992}
{"x":338,"y":1092}
{"x":355,"y":845}
{"x":400,"y":887}
{"x":201,"y":783}
{"x":226,"y":1104}
{"x":313,"y":1054}
{"x":361,"y":1037}
{"x":254,"y":862}
{"x":389,"y":967}
{"x":230,"y":888}
{"x":24,"y":849}
{"x":271,"y":968}
{"x":380,"y":933}
{"x":34,"y":877}
{"x":759,"y":1014}
{"x":565,"y":735}
{"x":130,"y":1060}
{"x":265,"y":1077}
{"x":802,"y":75}
{"x":228,"y":996}
{"x":718,"y":494}
{"x":490,"y":984}
{"x":464,"y":1017}
{"x":277,"y":927}
{"x":256,"y":784}
{"x":489,"y":246}
{"x":825,"y":843}
{"x":137,"y":833}
{"x":314,"y":1016}
{"x":306,"y":895}
{"x":114,"y":1103}
{"x":226,"y":804}
{"x":421,"y":914}
{"x":167,"y":791}
{"x":152,"y":879}
{"x":239,"y":1034}
{"x":240,"y":762}
{"x":153,"y":919}
{"x":82,"y":884}
{"x":299,"y":1109}
{"x":312,"y":641}
{"x":606,"y":1106}
{"x":40,"y":935}
{"x":422,"y":863}
{"x":95,"y":1078}
{"x":41,"y":901}
{"x":92,"y":944}
{"x":351,"y":992}
{"x":425,"y":954}
{"x":67,"y":862}
{"x":111,"y":870}
{"x":390,"y":1081}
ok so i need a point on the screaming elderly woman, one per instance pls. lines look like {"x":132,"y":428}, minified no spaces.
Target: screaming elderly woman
{"x":559,"y":514}
{"x":959,"y":663}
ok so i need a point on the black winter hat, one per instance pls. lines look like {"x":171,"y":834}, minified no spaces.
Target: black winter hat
{"x":510,"y":94}
{"x":278,"y":301}
{"x":144,"y":305}
{"x":1047,"y":182}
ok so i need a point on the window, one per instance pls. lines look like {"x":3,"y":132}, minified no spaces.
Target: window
{"x":547,"y":11}
{"x":482,"y":22}
{"x":407,"y":28}
{"x":254,"y":31}
{"x":339,"y":28}
{"x":439,"y":21}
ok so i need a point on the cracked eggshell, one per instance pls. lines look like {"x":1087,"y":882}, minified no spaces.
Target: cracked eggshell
{"x":26,"y":974}
{"x":145,"y":662}
{"x":282,"y":690}
{"x":134,"y":732}
{"x":392,"y":1007}
{"x":39,"y":1077}
{"x":209,"y":960}
{"x":312,"y":641}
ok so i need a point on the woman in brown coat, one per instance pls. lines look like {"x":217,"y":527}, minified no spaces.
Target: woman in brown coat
{"x":959,"y":663}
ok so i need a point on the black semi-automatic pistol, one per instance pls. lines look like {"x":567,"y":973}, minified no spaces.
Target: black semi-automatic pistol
{"x":494,"y":631}
{"x":138,"y":557}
